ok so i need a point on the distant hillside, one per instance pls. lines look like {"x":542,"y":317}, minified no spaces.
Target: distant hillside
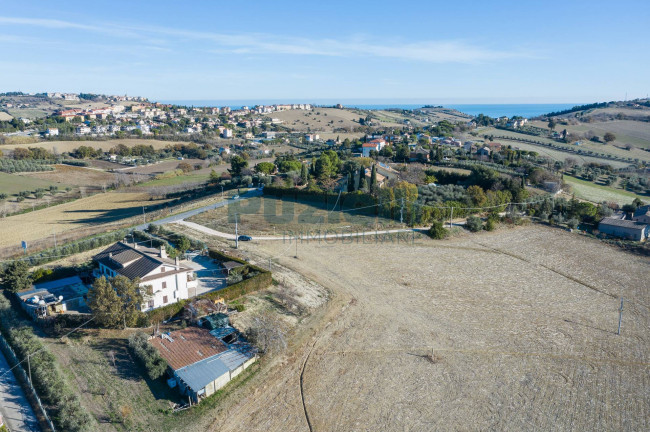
{"x":638,"y":109}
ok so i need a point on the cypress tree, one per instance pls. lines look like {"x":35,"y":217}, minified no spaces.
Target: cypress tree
{"x":351,"y":181}
{"x":304,"y":176}
{"x":373,"y":180}
{"x":362,"y":179}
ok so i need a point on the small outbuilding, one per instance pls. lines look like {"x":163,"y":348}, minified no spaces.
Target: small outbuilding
{"x":67,"y":295}
{"x":622,"y":228}
{"x":199,"y":363}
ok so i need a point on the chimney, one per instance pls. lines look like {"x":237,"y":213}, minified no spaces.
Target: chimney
{"x":177,"y":261}
{"x":163,"y":252}
{"x":110,"y":255}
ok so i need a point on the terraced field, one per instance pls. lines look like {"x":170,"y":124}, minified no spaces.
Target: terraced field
{"x":596,"y":193}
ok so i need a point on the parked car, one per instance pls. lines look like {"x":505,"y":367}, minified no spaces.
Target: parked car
{"x":245,"y":238}
{"x":235,"y":197}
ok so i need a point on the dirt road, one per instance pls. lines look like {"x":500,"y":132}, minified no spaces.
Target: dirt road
{"x":511,"y":330}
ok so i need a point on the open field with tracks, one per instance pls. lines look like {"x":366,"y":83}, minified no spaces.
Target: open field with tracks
{"x":630,"y":132}
{"x":585,"y":145}
{"x":100,"y":209}
{"x":521,"y":324}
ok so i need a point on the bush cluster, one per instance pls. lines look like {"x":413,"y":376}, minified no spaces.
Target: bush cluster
{"x":147,"y":355}
{"x":17,"y":166}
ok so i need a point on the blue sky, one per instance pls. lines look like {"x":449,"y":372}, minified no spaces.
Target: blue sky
{"x":419,"y":51}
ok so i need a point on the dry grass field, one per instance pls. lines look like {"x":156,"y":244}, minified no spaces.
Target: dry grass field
{"x":510,"y":330}
{"x":563,"y":155}
{"x":101,"y":209}
{"x":326,"y":119}
{"x":67,"y":146}
{"x":73,"y":175}
{"x":634,"y":133}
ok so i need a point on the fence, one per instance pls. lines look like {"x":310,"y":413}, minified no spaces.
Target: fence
{"x":13,"y":360}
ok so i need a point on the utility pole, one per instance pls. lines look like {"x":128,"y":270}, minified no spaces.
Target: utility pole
{"x":269,"y":264}
{"x":29,"y":367}
{"x":144,"y":218}
{"x":236,"y":235}
{"x":296,"y":247}
{"x":451,"y":216}
{"x":401,"y":212}
{"x":620,"y":317}
{"x":221,"y":191}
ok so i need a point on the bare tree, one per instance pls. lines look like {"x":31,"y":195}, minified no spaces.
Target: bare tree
{"x":111,"y":357}
{"x":267,"y":333}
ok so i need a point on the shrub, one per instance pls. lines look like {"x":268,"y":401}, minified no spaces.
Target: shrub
{"x":438,"y":231}
{"x":474,"y":224}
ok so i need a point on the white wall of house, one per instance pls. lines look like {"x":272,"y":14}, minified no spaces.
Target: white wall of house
{"x":166,"y":289}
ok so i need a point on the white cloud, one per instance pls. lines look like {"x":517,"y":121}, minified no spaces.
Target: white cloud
{"x":430,"y":51}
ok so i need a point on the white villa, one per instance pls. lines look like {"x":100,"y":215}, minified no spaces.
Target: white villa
{"x":168,"y":279}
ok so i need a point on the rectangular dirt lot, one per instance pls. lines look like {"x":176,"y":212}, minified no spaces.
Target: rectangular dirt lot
{"x":521,"y":323}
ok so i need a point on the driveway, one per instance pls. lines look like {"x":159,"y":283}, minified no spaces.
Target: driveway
{"x":16,"y":410}
{"x":209,"y":275}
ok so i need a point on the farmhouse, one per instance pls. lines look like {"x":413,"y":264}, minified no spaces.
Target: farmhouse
{"x":60,"y":296}
{"x":199,"y":363}
{"x":627,"y":229}
{"x":642,"y":214}
{"x":169,"y":281}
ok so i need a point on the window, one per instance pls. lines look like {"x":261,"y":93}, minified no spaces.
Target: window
{"x":164,"y":285}
{"x":165,"y":299}
{"x":151,"y":304}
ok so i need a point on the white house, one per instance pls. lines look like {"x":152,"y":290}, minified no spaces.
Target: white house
{"x":52,"y":132}
{"x":376,"y":145}
{"x":169,"y":281}
{"x":227,"y":133}
{"x":311,"y":137}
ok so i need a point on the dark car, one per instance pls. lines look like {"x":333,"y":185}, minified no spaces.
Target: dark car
{"x":245,"y":238}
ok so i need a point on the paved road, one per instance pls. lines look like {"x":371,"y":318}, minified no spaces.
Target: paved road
{"x":184,"y":215}
{"x":313,"y":236}
{"x":16,"y":410}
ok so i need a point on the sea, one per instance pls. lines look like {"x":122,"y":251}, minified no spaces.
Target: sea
{"x":492,"y":110}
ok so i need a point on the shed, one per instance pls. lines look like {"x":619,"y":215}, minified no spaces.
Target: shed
{"x":214,"y":321}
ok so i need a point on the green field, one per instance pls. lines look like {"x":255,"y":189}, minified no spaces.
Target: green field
{"x":596,"y":193}
{"x":270,"y":215}
{"x":12,"y":184}
{"x":177,"y":180}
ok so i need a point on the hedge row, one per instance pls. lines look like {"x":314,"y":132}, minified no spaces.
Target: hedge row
{"x":261,"y":280}
{"x":82,"y":245}
{"x":147,"y":355}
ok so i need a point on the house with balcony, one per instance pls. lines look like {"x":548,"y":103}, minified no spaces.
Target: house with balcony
{"x":168,"y":280}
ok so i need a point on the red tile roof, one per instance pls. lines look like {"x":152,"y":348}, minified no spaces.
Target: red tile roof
{"x":185,"y":347}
